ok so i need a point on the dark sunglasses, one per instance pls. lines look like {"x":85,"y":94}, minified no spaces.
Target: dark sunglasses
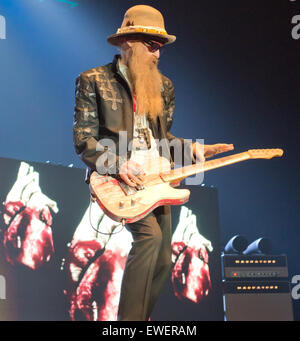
{"x":152,"y":45}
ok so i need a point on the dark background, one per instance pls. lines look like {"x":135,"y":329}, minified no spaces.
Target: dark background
{"x":235,"y":67}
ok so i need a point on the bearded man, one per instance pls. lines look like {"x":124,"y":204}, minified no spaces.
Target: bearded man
{"x":131,"y":95}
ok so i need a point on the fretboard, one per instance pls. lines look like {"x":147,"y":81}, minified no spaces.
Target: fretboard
{"x":183,"y":172}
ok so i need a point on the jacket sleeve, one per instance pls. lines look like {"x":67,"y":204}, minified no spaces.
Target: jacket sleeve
{"x":86,"y":130}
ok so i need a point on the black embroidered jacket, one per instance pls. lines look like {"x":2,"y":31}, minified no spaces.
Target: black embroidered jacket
{"x":104,"y":108}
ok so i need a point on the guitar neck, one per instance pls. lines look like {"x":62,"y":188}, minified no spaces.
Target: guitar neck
{"x":179,"y":174}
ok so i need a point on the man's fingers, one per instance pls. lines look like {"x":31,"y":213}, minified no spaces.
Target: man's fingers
{"x":138,"y":173}
{"x":223,"y":147}
{"x":134,"y":178}
{"x":132,"y":173}
{"x":200,"y":157}
{"x":130,"y":179}
{"x":198,"y":151}
{"x":227,"y":146}
{"x":141,"y":177}
{"x":126,"y":179}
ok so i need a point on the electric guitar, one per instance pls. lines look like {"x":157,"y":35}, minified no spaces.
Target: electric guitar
{"x":126,"y":204}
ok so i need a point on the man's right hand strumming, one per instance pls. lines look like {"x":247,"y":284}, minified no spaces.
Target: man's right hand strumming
{"x":132,"y":173}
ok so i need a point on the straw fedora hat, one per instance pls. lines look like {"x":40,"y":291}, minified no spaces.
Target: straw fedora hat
{"x":142,"y":20}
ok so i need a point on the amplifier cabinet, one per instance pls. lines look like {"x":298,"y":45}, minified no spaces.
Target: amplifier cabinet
{"x":257,"y":301}
{"x":254,"y":267}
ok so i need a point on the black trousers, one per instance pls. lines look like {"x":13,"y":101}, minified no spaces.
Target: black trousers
{"x":148,"y":265}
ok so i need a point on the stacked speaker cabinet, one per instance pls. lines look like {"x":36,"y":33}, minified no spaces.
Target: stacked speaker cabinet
{"x":256,"y":288}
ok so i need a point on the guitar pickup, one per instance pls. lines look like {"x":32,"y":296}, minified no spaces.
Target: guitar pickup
{"x":128,"y":190}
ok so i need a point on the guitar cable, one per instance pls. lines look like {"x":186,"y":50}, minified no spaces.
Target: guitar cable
{"x":100,"y":220}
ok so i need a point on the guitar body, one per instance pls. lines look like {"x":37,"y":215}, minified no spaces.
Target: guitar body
{"x":123,"y":203}
{"x":120,"y":201}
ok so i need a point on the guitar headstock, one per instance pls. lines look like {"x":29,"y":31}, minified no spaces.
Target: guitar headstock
{"x":264,"y":153}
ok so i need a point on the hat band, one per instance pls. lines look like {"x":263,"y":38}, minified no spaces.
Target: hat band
{"x":142,"y":29}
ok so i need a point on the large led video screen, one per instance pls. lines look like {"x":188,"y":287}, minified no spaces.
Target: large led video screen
{"x":62,"y":258}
